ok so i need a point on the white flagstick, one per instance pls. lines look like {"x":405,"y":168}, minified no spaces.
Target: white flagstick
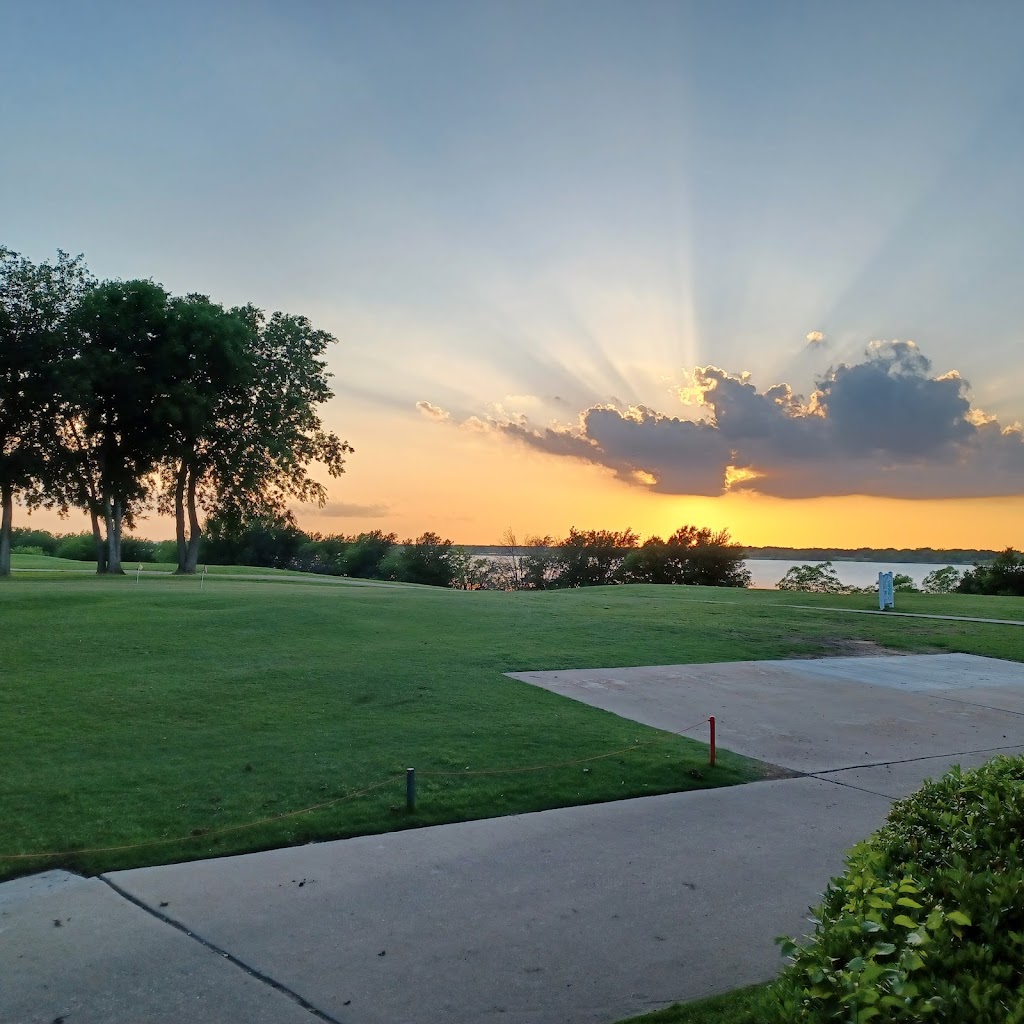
{"x":202,"y":579}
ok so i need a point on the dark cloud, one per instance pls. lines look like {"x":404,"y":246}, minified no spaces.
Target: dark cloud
{"x":885,"y":426}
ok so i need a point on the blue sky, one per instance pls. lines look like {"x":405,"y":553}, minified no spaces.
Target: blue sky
{"x":566,"y":203}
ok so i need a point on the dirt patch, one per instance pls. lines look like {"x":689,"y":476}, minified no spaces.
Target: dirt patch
{"x":845,"y":647}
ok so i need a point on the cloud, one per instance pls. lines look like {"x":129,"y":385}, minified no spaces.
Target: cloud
{"x":433,"y":412}
{"x":885,"y":426}
{"x":815,"y":338}
{"x":350,"y":510}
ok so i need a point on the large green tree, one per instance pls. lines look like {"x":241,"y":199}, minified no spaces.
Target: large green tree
{"x":35,"y":300}
{"x":126,"y":391}
{"x":213,"y":350}
{"x":249,"y":454}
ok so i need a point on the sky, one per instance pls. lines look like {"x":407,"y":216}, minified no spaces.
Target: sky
{"x":644,"y":263}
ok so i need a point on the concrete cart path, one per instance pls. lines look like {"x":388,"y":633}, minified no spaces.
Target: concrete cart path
{"x":72,"y":949}
{"x":820,"y":715}
{"x":582,"y":915}
{"x":577,"y":916}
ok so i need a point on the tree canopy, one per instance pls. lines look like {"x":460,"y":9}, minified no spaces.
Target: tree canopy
{"x":117,"y":397}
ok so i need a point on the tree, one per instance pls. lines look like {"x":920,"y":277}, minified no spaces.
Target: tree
{"x":715,"y":561}
{"x":468,"y":571}
{"x":1004,"y":576}
{"x":941,"y":581}
{"x":508,"y":571}
{"x":34,"y":303}
{"x":540,"y":564}
{"x":692,"y":555}
{"x":250,"y":456}
{"x":125,"y":392}
{"x":815,"y":579}
{"x":213,"y":350}
{"x":262,"y":541}
{"x":366,"y":553}
{"x":902,"y":584}
{"x":592,"y":558}
{"x":426,"y":560}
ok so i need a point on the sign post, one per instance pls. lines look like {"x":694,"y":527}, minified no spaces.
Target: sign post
{"x":886,"y":595}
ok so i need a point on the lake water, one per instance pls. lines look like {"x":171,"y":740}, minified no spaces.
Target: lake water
{"x":767,"y":572}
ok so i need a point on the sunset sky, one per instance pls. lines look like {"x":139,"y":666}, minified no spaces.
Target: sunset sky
{"x":747,"y":265}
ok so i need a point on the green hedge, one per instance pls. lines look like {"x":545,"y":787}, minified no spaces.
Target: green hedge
{"x":927,"y":923}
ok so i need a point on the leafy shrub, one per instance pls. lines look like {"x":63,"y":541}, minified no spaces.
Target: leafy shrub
{"x":927,"y":922}
{"x":27,"y":549}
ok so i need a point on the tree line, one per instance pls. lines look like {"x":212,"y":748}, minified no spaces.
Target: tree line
{"x":117,"y":397}
{"x":583,"y":558}
{"x":690,"y":556}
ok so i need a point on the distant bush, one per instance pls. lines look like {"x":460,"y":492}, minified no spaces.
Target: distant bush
{"x":165,"y":551}
{"x":79,"y":547}
{"x":927,"y":922}
{"x":23,"y":539}
{"x":136,"y":549}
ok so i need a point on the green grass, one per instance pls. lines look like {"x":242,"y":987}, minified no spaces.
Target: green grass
{"x":743,"y":1006}
{"x":134,"y":713}
{"x":51,"y":564}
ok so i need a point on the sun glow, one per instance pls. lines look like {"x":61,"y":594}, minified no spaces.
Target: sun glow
{"x":740,"y":474}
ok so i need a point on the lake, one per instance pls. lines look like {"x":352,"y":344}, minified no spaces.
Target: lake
{"x":766,"y":572}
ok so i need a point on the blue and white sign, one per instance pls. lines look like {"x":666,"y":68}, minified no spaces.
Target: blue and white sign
{"x":886,"y":595}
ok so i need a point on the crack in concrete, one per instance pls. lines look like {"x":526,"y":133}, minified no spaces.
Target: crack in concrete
{"x":213,"y":948}
{"x":911,"y":760}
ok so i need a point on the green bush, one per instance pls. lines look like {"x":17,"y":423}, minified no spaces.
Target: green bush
{"x":27,"y":549}
{"x":927,"y":923}
{"x":79,"y":547}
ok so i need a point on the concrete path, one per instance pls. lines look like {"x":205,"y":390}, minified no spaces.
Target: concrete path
{"x":822,"y":714}
{"x":583,"y":915}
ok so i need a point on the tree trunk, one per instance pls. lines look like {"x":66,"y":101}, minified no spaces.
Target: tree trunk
{"x":179,"y":519}
{"x":97,"y":538}
{"x":195,"y":534}
{"x":185,"y":505}
{"x":114,"y":558}
{"x":7,"y":501}
{"x":112,"y":514}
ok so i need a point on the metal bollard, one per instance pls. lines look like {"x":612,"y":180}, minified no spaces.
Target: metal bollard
{"x":410,"y":789}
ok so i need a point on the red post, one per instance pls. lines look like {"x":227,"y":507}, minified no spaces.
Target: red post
{"x":711,"y":756}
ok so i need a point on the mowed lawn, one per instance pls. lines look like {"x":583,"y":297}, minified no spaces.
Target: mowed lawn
{"x":156,"y":715}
